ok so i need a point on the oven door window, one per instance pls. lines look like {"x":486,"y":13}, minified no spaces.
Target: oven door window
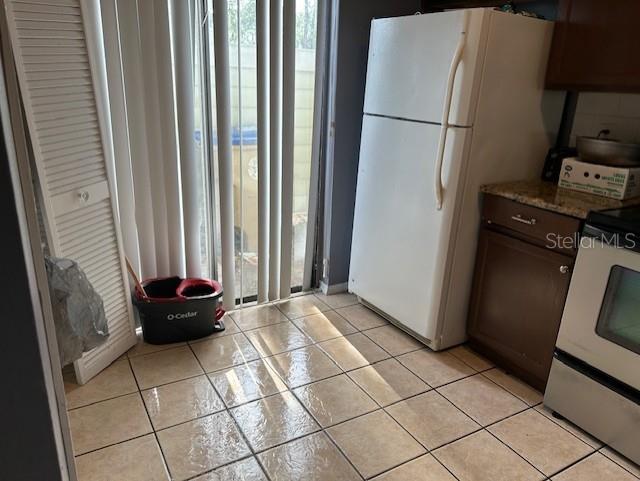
{"x":619,"y":319}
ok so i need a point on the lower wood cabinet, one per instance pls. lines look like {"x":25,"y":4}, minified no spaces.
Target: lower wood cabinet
{"x":519,"y":291}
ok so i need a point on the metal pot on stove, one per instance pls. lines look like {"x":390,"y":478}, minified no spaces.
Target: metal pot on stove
{"x":606,"y":151}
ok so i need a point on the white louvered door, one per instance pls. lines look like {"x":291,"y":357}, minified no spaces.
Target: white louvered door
{"x":62,"y":84}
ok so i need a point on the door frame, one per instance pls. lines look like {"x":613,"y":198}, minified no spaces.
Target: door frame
{"x":22,"y":183}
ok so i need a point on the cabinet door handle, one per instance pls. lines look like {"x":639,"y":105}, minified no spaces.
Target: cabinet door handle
{"x":564,"y":269}
{"x":522,"y":220}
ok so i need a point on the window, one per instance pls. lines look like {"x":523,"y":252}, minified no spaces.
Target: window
{"x":619,"y":319}
{"x":243,"y":77}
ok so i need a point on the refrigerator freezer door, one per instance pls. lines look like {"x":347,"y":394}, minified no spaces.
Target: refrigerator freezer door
{"x":409,"y":61}
{"x":401,"y":243}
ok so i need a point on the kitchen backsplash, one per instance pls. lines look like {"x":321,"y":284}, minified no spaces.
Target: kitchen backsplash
{"x":620,"y":113}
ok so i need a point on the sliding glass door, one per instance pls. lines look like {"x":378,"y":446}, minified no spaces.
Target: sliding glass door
{"x":243,"y":51}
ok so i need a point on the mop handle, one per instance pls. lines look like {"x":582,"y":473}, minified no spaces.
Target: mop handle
{"x":135,"y":277}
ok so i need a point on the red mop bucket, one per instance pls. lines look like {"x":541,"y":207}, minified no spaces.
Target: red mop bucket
{"x":173,"y":309}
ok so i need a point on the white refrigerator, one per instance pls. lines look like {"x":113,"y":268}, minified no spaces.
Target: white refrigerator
{"x":453,"y":100}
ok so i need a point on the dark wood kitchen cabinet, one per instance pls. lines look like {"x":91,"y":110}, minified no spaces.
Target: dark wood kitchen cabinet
{"x":595,"y":46}
{"x":519,"y":288}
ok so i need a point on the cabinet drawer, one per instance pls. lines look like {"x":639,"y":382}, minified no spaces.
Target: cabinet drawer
{"x":536,"y":223}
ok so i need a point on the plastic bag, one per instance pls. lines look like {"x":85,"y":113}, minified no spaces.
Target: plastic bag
{"x":78,"y":311}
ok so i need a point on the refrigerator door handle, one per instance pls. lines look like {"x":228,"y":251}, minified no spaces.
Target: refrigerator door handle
{"x":444,"y":124}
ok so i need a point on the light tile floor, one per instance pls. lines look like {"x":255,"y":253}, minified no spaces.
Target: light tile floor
{"x":320,"y":388}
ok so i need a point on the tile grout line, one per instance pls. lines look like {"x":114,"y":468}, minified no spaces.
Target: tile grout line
{"x":110,"y":445}
{"x":153,"y":429}
{"x":514,"y":451}
{"x":481,"y":427}
{"x":616,"y":462}
{"x":102,"y":400}
{"x":291,"y":391}
{"x":323,"y":430}
{"x":264,"y":360}
{"x":557,"y":423}
{"x":235,"y":422}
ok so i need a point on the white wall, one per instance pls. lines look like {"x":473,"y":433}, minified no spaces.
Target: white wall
{"x":620,"y":113}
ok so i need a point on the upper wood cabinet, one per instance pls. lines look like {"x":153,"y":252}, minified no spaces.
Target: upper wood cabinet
{"x":595,"y":46}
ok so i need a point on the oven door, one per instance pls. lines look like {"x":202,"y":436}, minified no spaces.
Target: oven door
{"x":601,"y":319}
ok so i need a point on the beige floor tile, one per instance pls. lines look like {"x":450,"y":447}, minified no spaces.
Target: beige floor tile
{"x":324,"y":326}
{"x":277,"y":338}
{"x":515,"y":386}
{"x":273,"y":420}
{"x":334,"y":400}
{"x":224,"y":352}
{"x":181,"y":401}
{"x":257,"y":316}
{"x":541,"y":442}
{"x":108,"y":422}
{"x":354,"y":351}
{"x":425,"y":468}
{"x":141,"y":348}
{"x":572,"y":428}
{"x":622,"y":461}
{"x":375,"y":443}
{"x":483,"y":400}
{"x":595,"y":468}
{"x":393,"y":340}
{"x":201,"y":445}
{"x":336,"y":301}
{"x":388,"y":381}
{"x":471,"y":358}
{"x":139,"y":459}
{"x":114,"y":381}
{"x":247,"y":382}
{"x":303,"y":366}
{"x":164,"y":367}
{"x":230,"y":328}
{"x":481,"y":457}
{"x":432,"y":420}
{"x":302,"y":306}
{"x":312,"y":458}
{"x":246,"y":470}
{"x":435,"y":368}
{"x":361,"y":317}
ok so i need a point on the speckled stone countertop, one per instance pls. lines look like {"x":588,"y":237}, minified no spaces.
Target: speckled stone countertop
{"x":547,"y":195}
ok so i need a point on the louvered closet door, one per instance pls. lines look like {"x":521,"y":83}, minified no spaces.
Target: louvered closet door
{"x":61,"y":89}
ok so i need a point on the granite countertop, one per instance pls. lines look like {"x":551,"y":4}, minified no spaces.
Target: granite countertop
{"x":547,"y":195}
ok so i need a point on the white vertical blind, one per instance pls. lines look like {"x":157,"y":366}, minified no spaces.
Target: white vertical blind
{"x":120,"y":132}
{"x":186,"y":128}
{"x":152,"y":112}
{"x":225,"y":159}
{"x":262,"y":41}
{"x":168,"y":141}
{"x":275,"y":145}
{"x":288,"y":123}
{"x":154,"y":128}
{"x":134,"y":88}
